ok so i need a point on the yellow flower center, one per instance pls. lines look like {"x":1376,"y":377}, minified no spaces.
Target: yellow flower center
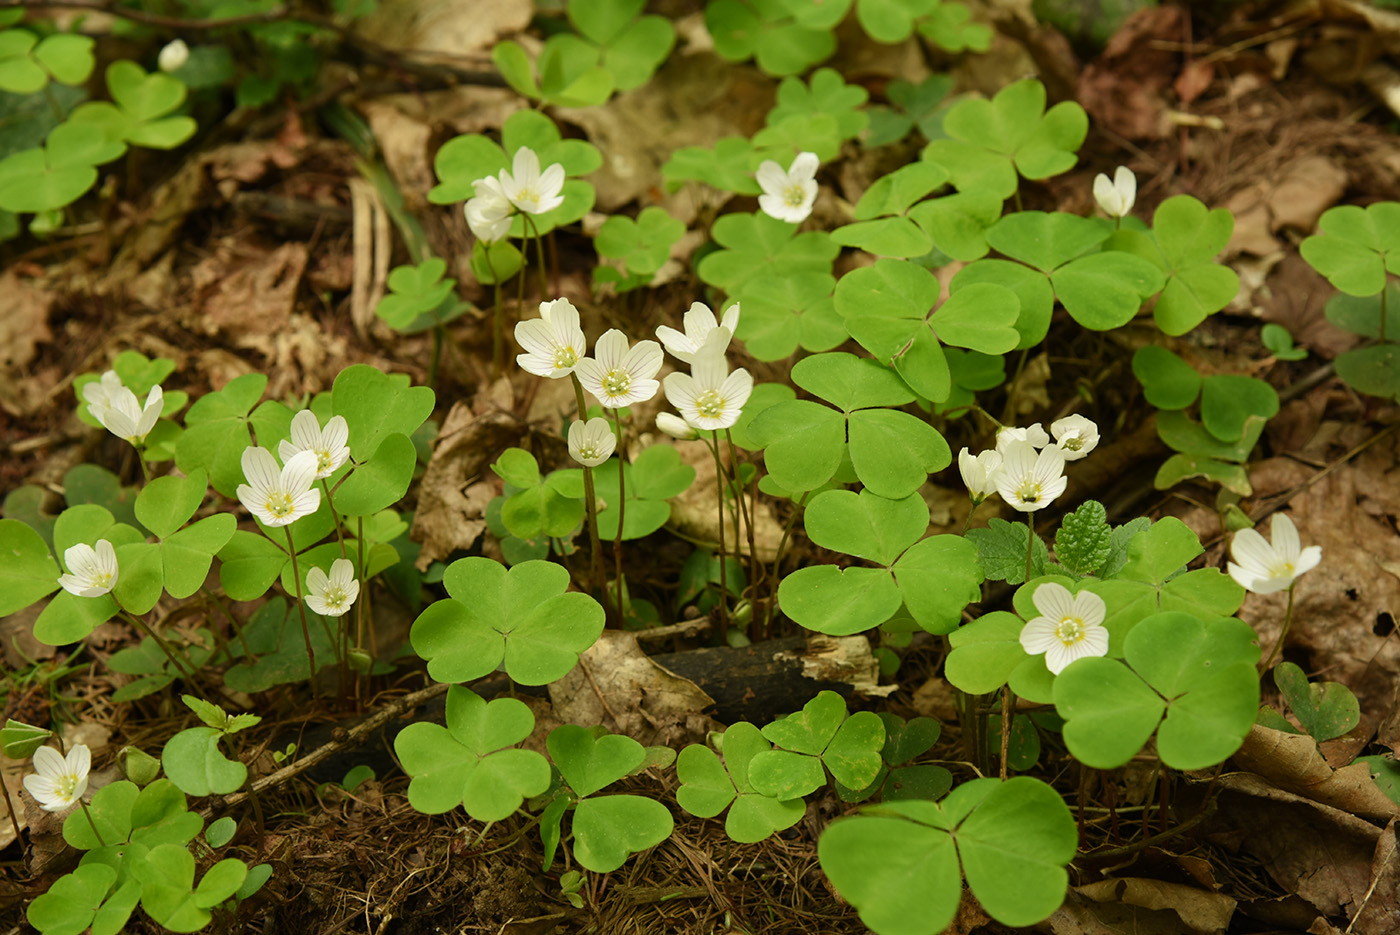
{"x":102,"y":579}
{"x":617,"y":382}
{"x":528,"y":194}
{"x":64,"y":786}
{"x":323,"y":460}
{"x":336,"y":598}
{"x":794,"y":196}
{"x":1070,"y":630}
{"x":590,"y":451}
{"x":1028,"y":492}
{"x":279,"y":504}
{"x":1074,"y":443}
{"x":710,"y":404}
{"x":565,"y":357}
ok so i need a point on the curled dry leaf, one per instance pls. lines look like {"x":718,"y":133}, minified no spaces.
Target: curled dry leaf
{"x":1292,"y":763}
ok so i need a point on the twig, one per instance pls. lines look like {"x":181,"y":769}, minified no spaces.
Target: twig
{"x":354,"y":735}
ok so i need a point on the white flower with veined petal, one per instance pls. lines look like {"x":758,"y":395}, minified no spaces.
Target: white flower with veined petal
{"x":1029,"y":480}
{"x":100,"y":393}
{"x":554,"y":343}
{"x":279,"y":496}
{"x":490,"y":212}
{"x":328,"y":444}
{"x":1116,"y":195}
{"x":59,"y":781}
{"x":128,"y":419}
{"x":529,"y":189}
{"x":1265,"y":568}
{"x":91,"y":572}
{"x":789,"y":196}
{"x":1033,"y":434}
{"x":1070,"y":626}
{"x":618,"y":376}
{"x":979,"y":473}
{"x":699,"y":322}
{"x":1075,"y":436}
{"x":332,"y":595}
{"x":710,"y":397}
{"x":174,"y":56}
{"x":592,"y":442}
{"x":674,"y":426}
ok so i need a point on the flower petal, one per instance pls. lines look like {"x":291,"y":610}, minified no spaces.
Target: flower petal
{"x":1283,"y":536}
{"x":1053,"y":600}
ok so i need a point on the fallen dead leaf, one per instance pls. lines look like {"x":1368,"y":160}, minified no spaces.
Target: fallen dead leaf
{"x":1200,"y":910}
{"x":616,"y":683}
{"x":1292,"y":762}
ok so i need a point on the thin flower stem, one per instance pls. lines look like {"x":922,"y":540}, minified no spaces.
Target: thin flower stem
{"x":91,"y":823}
{"x":1287,"y":619}
{"x":141,"y":625}
{"x":591,"y":503}
{"x":621,"y":506}
{"x":498,"y":317}
{"x":301,"y":609}
{"x":1030,"y":540}
{"x":778,"y":558}
{"x":146,"y":470}
{"x":968,"y":522}
{"x":747,"y":509}
{"x":335,"y":517}
{"x":233,"y":622}
{"x":713,"y":444}
{"x":1382,"y":328}
{"x":1006,"y":704}
{"x":10,"y":808}
{"x":539,"y":253}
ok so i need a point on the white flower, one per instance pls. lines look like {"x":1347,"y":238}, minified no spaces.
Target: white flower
{"x":489,"y":213}
{"x":699,"y":322}
{"x":128,"y":419}
{"x":617,"y":376}
{"x":173,"y":56}
{"x":530,"y":190}
{"x":99,"y":395}
{"x":1029,"y":480}
{"x":710,"y":397}
{"x":592,"y":442}
{"x":554,"y":342}
{"x":279,"y":496}
{"x":674,"y":426}
{"x":59,"y":781}
{"x":1070,"y":628}
{"x":91,"y":572}
{"x":1075,"y":436}
{"x":334,"y":594}
{"x":1034,"y":434}
{"x":1116,"y":196}
{"x":788,"y":196}
{"x":328,"y":444}
{"x":980,"y":473}
{"x":1265,"y":568}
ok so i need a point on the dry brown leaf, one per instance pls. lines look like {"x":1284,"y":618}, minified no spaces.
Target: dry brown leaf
{"x":452,"y":28}
{"x":1202,"y":911}
{"x":1305,"y":189}
{"x":1379,"y":910}
{"x":1321,"y":853}
{"x":695,"y":512}
{"x":451,"y":508}
{"x":1292,"y":763}
{"x":250,"y":298}
{"x":616,"y":683}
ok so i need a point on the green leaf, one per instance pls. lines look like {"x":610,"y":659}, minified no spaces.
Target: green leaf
{"x":642,"y":245}
{"x":71,"y":902}
{"x":1105,"y":290}
{"x":1082,"y":541}
{"x":217,"y":431}
{"x":69,"y":618}
{"x":415,"y":291}
{"x":1326,"y":710}
{"x":66,"y":56}
{"x":937,"y":578}
{"x":1362,"y":314}
{"x":1229,"y":402}
{"x":839,"y":601}
{"x":1167,"y":381}
{"x":167,"y":503}
{"x":1190,"y":238}
{"x":853,"y":755}
{"x":758,"y":246}
{"x":1045,"y":241}
{"x":381,"y":481}
{"x":866,"y":525}
{"x":186,"y":555}
{"x":811,"y":729}
{"x":897,"y":191}
{"x":1356,"y":247}
{"x":784,"y":312}
{"x":521,"y":617}
{"x":957,"y":223}
{"x":376,"y":405}
{"x":28,"y":571}
{"x":985,"y":653}
{"x":1372,"y":370}
{"x":590,"y":763}
{"x":803,"y":443}
{"x":1001,"y":551}
{"x":19,"y":741}
{"x":609,"y":829}
{"x":193,"y":761}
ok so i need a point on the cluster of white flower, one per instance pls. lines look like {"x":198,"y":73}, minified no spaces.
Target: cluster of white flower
{"x":710,"y":397}
{"x":524,"y":188}
{"x":116,"y":407}
{"x":1024,"y":468}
